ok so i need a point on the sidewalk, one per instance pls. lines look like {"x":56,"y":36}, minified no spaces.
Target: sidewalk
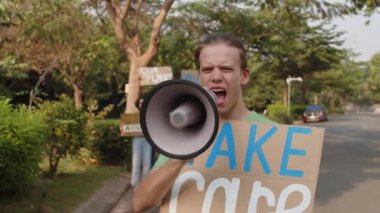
{"x":114,"y":196}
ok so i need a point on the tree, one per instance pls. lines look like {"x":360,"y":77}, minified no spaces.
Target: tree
{"x":60,"y":37}
{"x":127,"y":20}
{"x":367,"y":6}
{"x":262,"y":90}
{"x":374,"y":76}
{"x":66,"y":132}
{"x":176,"y":48}
{"x":279,"y":36}
{"x":335,"y":88}
{"x":295,"y":47}
{"x":11,"y":71}
{"x":11,"y":66}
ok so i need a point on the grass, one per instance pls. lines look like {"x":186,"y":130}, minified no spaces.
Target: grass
{"x":64,"y":193}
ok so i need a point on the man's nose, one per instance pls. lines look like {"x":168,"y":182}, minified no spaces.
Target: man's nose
{"x":216,"y":75}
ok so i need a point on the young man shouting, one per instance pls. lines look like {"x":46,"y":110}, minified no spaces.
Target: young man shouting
{"x":222,"y":63}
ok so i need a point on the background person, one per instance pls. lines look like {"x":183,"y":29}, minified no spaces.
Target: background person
{"x":141,"y":155}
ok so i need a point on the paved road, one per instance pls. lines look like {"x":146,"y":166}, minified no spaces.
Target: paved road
{"x":349,"y":180}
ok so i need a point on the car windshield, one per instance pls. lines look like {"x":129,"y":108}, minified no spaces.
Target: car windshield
{"x":313,"y":109}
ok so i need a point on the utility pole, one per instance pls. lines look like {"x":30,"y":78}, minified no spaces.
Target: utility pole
{"x":288,"y":81}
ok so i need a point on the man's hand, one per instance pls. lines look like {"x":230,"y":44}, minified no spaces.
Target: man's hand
{"x":156,"y":185}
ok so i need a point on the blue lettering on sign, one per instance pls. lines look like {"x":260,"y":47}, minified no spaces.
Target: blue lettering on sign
{"x":284,"y":171}
{"x":227,"y":134}
{"x":255,"y":147}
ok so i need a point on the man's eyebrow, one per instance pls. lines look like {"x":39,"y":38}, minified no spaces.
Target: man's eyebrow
{"x":206,"y":66}
{"x":226,"y":66}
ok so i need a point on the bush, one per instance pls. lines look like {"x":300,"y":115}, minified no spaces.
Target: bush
{"x":297,"y":110}
{"x":108,"y":145}
{"x":278,"y":113}
{"x":21,"y":144}
{"x":66,"y":130}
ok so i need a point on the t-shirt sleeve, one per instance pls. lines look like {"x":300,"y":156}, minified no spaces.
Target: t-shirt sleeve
{"x":162,"y":159}
{"x":254,"y":117}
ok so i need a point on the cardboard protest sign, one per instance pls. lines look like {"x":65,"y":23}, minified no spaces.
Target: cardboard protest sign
{"x":251,"y":168}
{"x":155,"y":75}
{"x":190,"y":75}
{"x":130,"y":124}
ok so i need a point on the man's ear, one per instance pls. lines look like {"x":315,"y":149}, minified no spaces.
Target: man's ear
{"x":245,"y":77}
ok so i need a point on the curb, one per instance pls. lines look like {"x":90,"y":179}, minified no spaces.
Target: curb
{"x":108,"y":196}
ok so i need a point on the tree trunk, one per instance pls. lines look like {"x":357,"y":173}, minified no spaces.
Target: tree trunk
{"x":77,"y":96}
{"x":134,"y":87}
{"x":32,"y":94}
{"x":128,"y":39}
{"x":53,"y":167}
{"x":54,"y":158}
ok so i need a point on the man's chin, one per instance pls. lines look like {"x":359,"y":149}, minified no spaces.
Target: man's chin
{"x":222,"y":112}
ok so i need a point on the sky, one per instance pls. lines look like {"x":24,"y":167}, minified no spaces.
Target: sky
{"x":361,"y":38}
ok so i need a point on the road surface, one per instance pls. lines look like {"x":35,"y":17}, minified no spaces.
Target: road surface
{"x":349,"y":178}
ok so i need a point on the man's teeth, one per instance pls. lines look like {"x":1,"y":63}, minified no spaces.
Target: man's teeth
{"x":218,"y":90}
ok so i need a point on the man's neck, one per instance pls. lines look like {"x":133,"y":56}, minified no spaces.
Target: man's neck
{"x":239,"y":113}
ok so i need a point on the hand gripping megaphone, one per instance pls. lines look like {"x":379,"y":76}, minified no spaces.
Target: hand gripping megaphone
{"x":179,"y":118}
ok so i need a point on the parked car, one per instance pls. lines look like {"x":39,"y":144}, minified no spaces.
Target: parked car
{"x":314,"y":113}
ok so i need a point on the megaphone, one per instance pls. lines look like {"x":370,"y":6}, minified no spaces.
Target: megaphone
{"x":179,"y":118}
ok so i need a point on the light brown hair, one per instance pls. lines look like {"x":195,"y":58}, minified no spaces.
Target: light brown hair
{"x":224,"y":38}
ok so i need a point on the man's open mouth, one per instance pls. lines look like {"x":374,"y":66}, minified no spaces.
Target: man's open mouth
{"x":220,"y":95}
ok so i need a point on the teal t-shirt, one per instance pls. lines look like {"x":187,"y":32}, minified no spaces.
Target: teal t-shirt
{"x":253,"y":117}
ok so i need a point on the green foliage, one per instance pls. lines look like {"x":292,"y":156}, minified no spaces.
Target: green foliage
{"x":176,"y":49}
{"x":278,"y":113}
{"x":262,"y":89}
{"x":338,"y":86}
{"x":62,"y":194}
{"x":9,"y":11}
{"x":108,"y":145}
{"x":21,"y":144}
{"x":296,"y":110}
{"x":66,"y":130}
{"x":11,"y":69}
{"x":374,"y":76}
{"x":75,"y":42}
{"x":369,"y":7}
{"x":93,"y":112}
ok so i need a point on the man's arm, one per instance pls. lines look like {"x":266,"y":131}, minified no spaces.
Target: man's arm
{"x":156,"y":185}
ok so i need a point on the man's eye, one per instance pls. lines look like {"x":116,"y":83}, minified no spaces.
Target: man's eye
{"x":207,"y":70}
{"x":227,"y":69}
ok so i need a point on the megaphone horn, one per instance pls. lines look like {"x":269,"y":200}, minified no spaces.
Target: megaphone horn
{"x":179,"y":118}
